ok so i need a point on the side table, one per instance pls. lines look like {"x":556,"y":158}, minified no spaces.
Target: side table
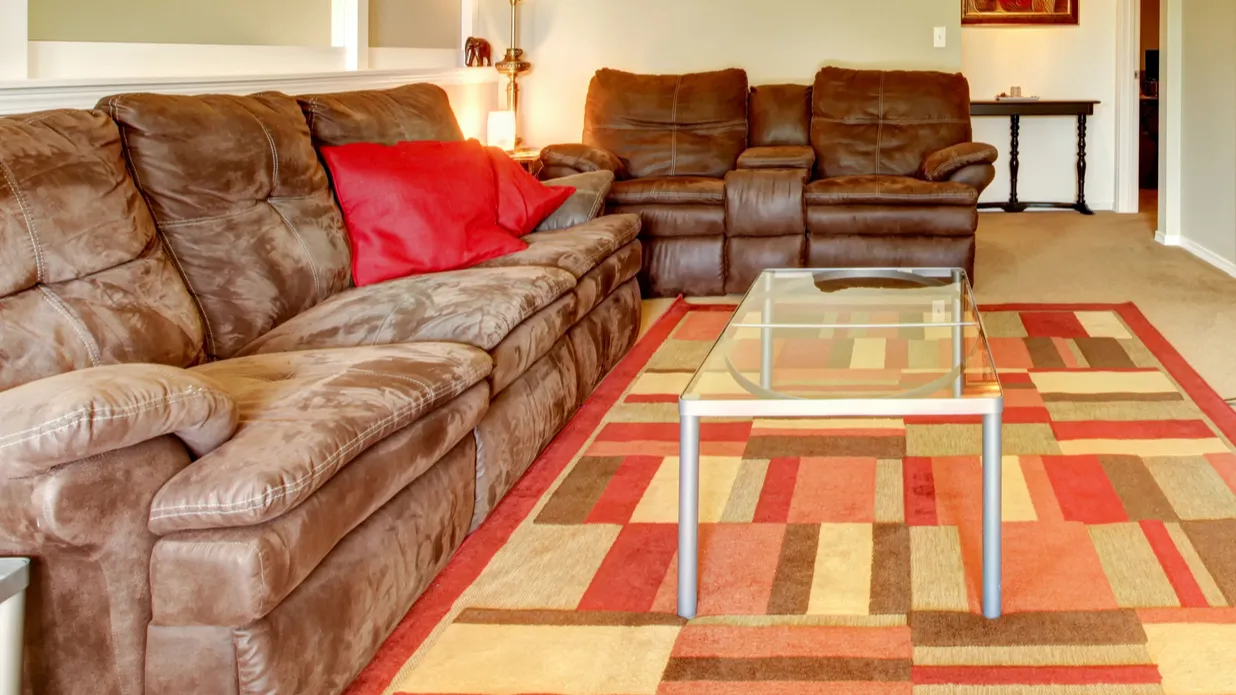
{"x":1015,"y":110}
{"x":14,"y":578}
{"x":529,"y":158}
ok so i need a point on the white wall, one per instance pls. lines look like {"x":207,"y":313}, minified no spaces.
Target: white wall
{"x":1061,"y":62}
{"x":774,"y":40}
{"x":1208,"y":133}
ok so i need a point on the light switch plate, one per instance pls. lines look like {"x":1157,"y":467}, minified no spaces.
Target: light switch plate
{"x":939,"y":36}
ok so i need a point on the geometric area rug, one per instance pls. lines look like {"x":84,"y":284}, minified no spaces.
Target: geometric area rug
{"x":844,"y":556}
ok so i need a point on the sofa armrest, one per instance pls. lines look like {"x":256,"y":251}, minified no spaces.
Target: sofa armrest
{"x":576,"y":158}
{"x":584,"y":205}
{"x":95,"y":411}
{"x":787,"y":157}
{"x":941,"y":164}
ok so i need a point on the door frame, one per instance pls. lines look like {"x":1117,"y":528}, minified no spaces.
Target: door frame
{"x":1128,"y":104}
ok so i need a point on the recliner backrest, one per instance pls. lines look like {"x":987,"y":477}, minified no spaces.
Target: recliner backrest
{"x":669,"y":125}
{"x":885,"y":121}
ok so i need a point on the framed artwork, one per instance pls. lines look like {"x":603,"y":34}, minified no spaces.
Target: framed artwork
{"x":1019,"y":11}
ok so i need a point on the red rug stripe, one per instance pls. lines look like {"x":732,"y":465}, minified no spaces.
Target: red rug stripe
{"x":624,"y":490}
{"x":920,"y":491}
{"x":1149,"y":429}
{"x":651,"y":398}
{"x":1213,"y":616}
{"x":668,"y":432}
{"x":1015,"y":378}
{"x":1083,"y":489}
{"x":476,"y":552}
{"x":777,"y":494}
{"x":1034,"y":675}
{"x":633,"y":570}
{"x":1211,"y":403}
{"x":1174,"y":564}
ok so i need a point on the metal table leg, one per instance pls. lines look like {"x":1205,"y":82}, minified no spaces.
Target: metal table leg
{"x":14,"y":578}
{"x":958,"y":335}
{"x":992,"y":575}
{"x":688,"y":513}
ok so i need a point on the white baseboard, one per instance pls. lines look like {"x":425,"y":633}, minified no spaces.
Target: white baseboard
{"x":1197,"y":250}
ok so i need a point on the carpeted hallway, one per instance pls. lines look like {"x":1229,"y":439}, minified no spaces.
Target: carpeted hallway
{"x":1052,"y":257}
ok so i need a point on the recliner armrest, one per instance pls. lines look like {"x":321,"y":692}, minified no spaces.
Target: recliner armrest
{"x":942,"y":164}
{"x":94,"y":411}
{"x":785,"y":157}
{"x":576,"y":158}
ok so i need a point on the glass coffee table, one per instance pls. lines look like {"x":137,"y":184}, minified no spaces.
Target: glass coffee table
{"x":846,"y":343}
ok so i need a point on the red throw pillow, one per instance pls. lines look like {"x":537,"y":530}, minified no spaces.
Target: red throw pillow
{"x":417,"y":207}
{"x":523,"y":202}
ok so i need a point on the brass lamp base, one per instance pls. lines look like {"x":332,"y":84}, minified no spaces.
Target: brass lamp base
{"x":513,"y":65}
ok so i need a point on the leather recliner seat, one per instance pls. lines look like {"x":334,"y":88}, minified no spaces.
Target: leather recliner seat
{"x":864,"y":168}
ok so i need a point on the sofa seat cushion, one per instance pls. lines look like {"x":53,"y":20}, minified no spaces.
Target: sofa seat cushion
{"x":477,"y":306}
{"x":668,"y":190}
{"x":303,"y":417}
{"x":888,"y":190}
{"x":576,"y":250}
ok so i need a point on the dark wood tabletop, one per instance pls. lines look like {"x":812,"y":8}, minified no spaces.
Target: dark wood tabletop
{"x":1042,"y":107}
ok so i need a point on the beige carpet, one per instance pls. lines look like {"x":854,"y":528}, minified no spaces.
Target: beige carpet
{"x":1067,"y":257}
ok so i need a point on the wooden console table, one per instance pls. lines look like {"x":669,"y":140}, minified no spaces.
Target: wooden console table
{"x":1015,"y":110}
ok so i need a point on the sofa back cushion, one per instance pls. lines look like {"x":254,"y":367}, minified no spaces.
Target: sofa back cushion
{"x":780,"y":115}
{"x":669,"y":125}
{"x":243,"y":203}
{"x":388,"y":116}
{"x":84,"y":279}
{"x":867,"y":122}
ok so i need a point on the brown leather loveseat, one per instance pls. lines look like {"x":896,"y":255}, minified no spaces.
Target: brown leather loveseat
{"x":863,"y":168}
{"x":235,"y":472}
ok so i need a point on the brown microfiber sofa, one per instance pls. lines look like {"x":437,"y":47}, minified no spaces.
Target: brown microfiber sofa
{"x":864,"y":168}
{"x":234,"y":471}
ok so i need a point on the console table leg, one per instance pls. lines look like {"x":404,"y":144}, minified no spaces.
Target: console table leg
{"x":1082,"y":207}
{"x":1014,"y":163}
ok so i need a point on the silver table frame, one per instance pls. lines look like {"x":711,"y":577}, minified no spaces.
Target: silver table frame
{"x":691,"y":410}
{"x":14,"y":579}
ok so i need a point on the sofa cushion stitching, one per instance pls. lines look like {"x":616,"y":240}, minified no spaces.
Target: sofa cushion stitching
{"x":31,"y":230}
{"x":313,"y":266}
{"x":879,"y":130}
{"x":112,"y":102}
{"x":674,"y":130}
{"x":83,"y":333}
{"x":418,"y":401}
{"x":101,"y":414}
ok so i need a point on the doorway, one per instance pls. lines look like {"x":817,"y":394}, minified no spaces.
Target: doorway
{"x":1148,"y":145}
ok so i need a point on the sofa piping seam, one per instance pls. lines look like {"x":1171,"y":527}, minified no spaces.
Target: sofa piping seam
{"x":167,"y":243}
{"x":92,"y":348}
{"x":40,"y":274}
{"x":674,"y":131}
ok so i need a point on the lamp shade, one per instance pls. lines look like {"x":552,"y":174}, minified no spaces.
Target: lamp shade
{"x":501,"y":132}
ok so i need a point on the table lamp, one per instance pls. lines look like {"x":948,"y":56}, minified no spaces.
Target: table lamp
{"x":501,"y":130}
{"x":512,"y":66}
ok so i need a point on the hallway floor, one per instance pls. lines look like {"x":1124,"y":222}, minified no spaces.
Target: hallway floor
{"x":1066,"y":257}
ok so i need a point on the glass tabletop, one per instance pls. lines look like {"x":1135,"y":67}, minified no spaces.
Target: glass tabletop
{"x":854,"y":334}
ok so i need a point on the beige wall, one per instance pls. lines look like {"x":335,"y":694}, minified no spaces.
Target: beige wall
{"x":1208,"y":126}
{"x":1068,"y":62}
{"x":775,"y":40}
{"x":415,"y":23}
{"x":239,"y":22}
